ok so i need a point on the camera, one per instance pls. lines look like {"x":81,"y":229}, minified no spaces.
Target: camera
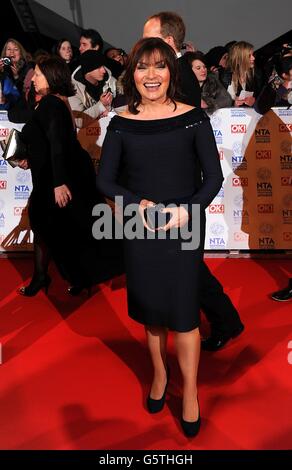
{"x":275,"y":81}
{"x":6,"y":61}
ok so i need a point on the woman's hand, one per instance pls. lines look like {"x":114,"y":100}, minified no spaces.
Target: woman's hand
{"x":238,"y":102}
{"x":62,"y":195}
{"x":14,"y":71}
{"x":249,"y":100}
{"x":106,"y":99}
{"x":179,"y":217}
{"x":214,"y":69}
{"x":23,"y":164}
{"x":142,"y":206}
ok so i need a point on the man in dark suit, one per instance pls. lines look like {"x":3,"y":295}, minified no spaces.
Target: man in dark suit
{"x":170,"y":27}
{"x":218,"y":308}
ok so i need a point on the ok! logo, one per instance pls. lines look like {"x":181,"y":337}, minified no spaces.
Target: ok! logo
{"x":238,"y":128}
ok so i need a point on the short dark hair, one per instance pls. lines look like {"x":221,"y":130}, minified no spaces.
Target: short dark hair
{"x":146,"y":47}
{"x":284,"y":65}
{"x":94,"y":36}
{"x":57,"y":74}
{"x":171,"y":24}
{"x":198,"y":55}
{"x":121,"y":51}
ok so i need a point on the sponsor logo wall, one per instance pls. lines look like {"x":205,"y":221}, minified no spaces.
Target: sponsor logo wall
{"x":15,"y":188}
{"x":253,"y":209}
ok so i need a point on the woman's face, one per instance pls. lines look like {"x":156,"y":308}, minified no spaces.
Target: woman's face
{"x":224,"y":60}
{"x":251,"y":59}
{"x":116,"y":55}
{"x":200,"y":70}
{"x":66,"y":51}
{"x":40,"y":82}
{"x":13,"y":51}
{"x":152,"y":78}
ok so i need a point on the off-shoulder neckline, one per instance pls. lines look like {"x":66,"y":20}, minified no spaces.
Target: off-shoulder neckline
{"x":160,"y":119}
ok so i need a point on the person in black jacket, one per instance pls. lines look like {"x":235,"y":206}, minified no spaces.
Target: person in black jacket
{"x":64,"y":190}
{"x":217,"y":306}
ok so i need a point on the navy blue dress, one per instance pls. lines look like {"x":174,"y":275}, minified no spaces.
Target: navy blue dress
{"x":161,"y":161}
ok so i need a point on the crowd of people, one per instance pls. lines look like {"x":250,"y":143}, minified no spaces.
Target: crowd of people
{"x":159,"y":148}
{"x":221,"y":76}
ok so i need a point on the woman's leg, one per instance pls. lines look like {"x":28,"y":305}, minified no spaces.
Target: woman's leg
{"x":188,"y":354}
{"x":157,"y":341}
{"x":41,"y":258}
{"x":40,"y":277}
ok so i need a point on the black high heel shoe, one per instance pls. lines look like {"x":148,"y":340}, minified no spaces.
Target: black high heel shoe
{"x":76,"y":290}
{"x":35,"y":285}
{"x":191,"y":428}
{"x":154,"y":406}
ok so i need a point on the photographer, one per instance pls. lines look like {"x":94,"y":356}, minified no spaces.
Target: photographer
{"x":13,"y":62}
{"x":278,"y":91}
{"x":9,"y":93}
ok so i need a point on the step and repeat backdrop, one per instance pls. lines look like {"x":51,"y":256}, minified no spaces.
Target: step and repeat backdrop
{"x":15,"y":188}
{"x":253,"y":209}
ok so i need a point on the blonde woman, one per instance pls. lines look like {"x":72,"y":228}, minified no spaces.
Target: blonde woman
{"x":242,"y":75}
{"x":18,"y":67}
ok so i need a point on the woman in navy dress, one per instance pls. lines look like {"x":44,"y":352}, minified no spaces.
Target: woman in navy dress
{"x":158,"y":146}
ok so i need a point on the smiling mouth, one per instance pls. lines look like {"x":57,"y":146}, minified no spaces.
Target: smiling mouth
{"x":152,"y":86}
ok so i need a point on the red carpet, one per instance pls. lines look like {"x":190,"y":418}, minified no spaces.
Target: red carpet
{"x":75,"y":372}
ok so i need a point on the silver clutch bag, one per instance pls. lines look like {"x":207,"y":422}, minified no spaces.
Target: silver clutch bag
{"x":13,"y":149}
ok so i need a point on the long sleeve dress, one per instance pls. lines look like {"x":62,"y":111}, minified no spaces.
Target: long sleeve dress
{"x":161,"y":161}
{"x":56,"y":158}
